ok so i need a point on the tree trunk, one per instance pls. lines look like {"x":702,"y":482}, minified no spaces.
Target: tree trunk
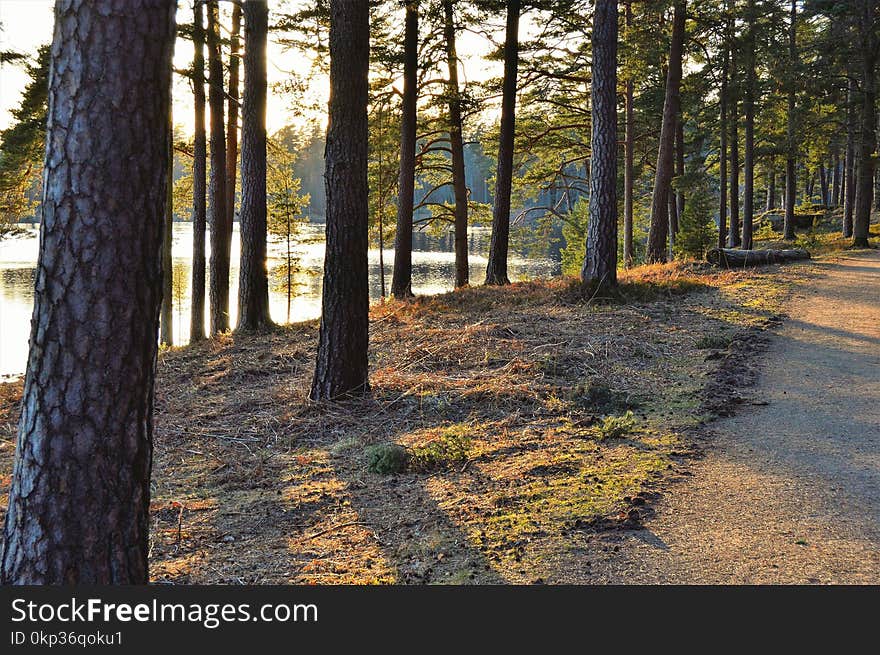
{"x":401,"y":279}
{"x":220,"y":247}
{"x":722,"y":157}
{"x":876,"y":176}
{"x":679,"y":171}
{"x":342,"y":345}
{"x":733,"y":235}
{"x":788,"y":224}
{"x":600,"y":259}
{"x":253,"y":281}
{"x":867,"y":132}
{"x":456,"y":144}
{"x":658,"y":233}
{"x":849,"y":161}
{"x":496,"y":270}
{"x":232,"y":119}
{"x":197,"y":306}
{"x":166,"y":311}
{"x":823,"y":185}
{"x":629,"y":144}
{"x":79,"y":500}
{"x":749,"y":109}
{"x":835,"y":184}
{"x":771,"y":189}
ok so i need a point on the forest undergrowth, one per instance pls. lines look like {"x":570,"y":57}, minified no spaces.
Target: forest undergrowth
{"x":505,"y":428}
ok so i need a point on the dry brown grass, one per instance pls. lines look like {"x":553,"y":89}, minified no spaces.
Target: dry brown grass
{"x":255,"y":484}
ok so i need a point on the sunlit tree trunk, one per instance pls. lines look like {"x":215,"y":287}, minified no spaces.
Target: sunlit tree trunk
{"x":218,"y":288}
{"x":659,"y":231}
{"x":600,"y":258}
{"x":200,"y":155}
{"x":722,"y":157}
{"x":456,"y":144}
{"x":166,"y":312}
{"x":79,"y":500}
{"x":342,"y":345}
{"x":253,"y":284}
{"x":496,"y":270}
{"x":401,"y":279}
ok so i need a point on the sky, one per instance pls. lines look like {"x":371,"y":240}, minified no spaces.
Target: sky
{"x":27,"y":24}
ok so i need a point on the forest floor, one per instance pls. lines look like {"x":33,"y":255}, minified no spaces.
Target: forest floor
{"x":550,"y":438}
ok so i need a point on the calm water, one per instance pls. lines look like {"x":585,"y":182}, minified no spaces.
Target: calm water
{"x":433,"y":272}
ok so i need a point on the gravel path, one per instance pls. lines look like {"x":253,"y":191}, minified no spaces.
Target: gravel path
{"x":789,"y":492}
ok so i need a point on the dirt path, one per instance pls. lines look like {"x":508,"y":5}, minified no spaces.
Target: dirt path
{"x":789,"y":492}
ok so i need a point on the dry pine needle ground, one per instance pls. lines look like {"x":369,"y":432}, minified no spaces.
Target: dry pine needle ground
{"x":545,"y":418}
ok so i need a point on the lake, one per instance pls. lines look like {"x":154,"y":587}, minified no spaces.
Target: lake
{"x":433,"y":272}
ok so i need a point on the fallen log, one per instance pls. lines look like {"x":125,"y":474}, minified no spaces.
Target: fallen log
{"x":730,"y":258}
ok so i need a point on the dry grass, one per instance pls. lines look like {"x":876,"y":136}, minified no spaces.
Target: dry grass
{"x":255,"y":484}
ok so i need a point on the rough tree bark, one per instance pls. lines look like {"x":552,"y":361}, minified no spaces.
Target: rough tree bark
{"x":200,"y":155}
{"x":600,"y":259}
{"x":749,"y":110}
{"x":496,"y":270}
{"x":253,"y":281}
{"x":342,"y":346}
{"x":456,"y":144}
{"x":659,"y":231}
{"x":401,"y":279}
{"x":629,"y":144}
{"x":79,"y":500}
{"x":867,"y":129}
{"x":232,"y":101}
{"x":218,"y":284}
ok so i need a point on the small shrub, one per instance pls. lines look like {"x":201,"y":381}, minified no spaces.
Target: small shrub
{"x":614,"y":427}
{"x":808,"y":241}
{"x":441,"y":453}
{"x":387,"y":458}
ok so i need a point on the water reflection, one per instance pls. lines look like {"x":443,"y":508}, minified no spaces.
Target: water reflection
{"x":433,"y":272}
